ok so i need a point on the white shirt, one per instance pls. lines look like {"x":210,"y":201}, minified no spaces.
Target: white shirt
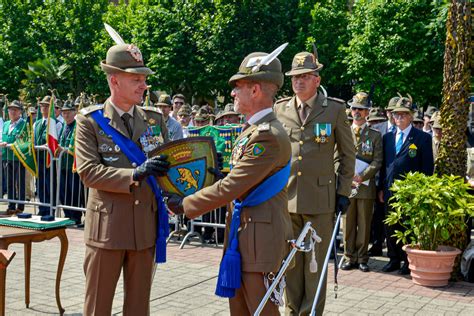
{"x":120,"y":111}
{"x":259,"y":115}
{"x":406,"y":131}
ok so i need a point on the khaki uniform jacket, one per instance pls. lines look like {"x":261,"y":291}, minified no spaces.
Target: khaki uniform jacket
{"x":369,"y":150}
{"x":312,"y":183}
{"x":119,"y":215}
{"x":264,"y":228}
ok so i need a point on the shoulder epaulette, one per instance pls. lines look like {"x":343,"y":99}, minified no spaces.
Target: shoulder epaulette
{"x":263,"y":127}
{"x":283,"y":100}
{"x":152,"y":109}
{"x":91,"y":109}
{"x":374,"y":129}
{"x":336,"y":99}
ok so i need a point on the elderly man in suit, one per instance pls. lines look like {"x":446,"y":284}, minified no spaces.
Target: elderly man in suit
{"x":121,"y":218}
{"x":261,"y":153}
{"x":317,"y":125}
{"x":369,"y":156}
{"x":406,"y":150}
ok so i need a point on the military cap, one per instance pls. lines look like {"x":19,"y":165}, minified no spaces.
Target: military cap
{"x":228,"y":110}
{"x":195,"y":108}
{"x":46,"y":100}
{"x":404,"y":105}
{"x":360,"y":101}
{"x":179,"y":95}
{"x":418,"y":117}
{"x":124,"y":58}
{"x":268,"y":73}
{"x":303,"y":63}
{"x":430,"y":111}
{"x":58,"y":103}
{"x":435,"y":120}
{"x":32,"y":110}
{"x":164,"y":100}
{"x":16,"y":104}
{"x":68,"y":106}
{"x":376,"y":114}
{"x":392,"y":103}
{"x":202,"y":115}
{"x":185,"y":110}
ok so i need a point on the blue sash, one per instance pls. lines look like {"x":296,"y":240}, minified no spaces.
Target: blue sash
{"x":135,"y":155}
{"x":230,"y":269}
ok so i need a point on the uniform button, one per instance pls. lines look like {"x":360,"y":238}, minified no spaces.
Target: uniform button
{"x":302,"y":128}
{"x":134,"y":165}
{"x":137,"y":202}
{"x":301,"y":142}
{"x":298,"y":173}
{"x":250,"y":219}
{"x":300,"y":158}
{"x":330,"y":181}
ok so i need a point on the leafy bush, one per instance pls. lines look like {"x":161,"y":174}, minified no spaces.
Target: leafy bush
{"x":430,"y":208}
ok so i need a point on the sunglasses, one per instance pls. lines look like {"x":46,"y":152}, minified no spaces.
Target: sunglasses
{"x":179,"y":103}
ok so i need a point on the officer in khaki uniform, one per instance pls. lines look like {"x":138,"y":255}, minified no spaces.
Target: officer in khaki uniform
{"x":316,"y":125}
{"x":368,"y":142}
{"x":261,"y":150}
{"x":121,"y":216}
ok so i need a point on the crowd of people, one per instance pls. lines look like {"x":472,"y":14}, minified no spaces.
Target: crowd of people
{"x":302,"y":158}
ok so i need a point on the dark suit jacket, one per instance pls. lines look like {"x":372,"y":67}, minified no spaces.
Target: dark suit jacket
{"x":396,"y":165}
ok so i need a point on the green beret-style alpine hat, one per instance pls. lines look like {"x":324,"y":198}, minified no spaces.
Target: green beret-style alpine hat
{"x":404,"y":105}
{"x":45,"y":100}
{"x":16,"y":104}
{"x":303,"y":63}
{"x":360,"y":101}
{"x":164,"y":100}
{"x":267,"y":73}
{"x":125,"y":58}
{"x":185,"y":110}
{"x":376,"y":114}
{"x":392,"y":103}
{"x":68,"y":106}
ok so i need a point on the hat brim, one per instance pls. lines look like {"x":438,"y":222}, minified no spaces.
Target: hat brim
{"x":296,"y":72}
{"x":226,"y":113}
{"x":400,"y":109}
{"x":163,"y":104}
{"x":358,"y":106}
{"x":14,"y":107}
{"x":376,"y":118}
{"x":259,"y":76}
{"x":138,"y":70}
{"x":68,"y":109}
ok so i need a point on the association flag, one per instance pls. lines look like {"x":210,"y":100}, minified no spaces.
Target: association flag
{"x":52,"y":139}
{"x":24,"y":148}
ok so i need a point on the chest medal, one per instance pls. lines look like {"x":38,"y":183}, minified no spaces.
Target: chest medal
{"x":322,"y":132}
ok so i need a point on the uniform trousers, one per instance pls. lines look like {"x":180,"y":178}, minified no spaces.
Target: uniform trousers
{"x":15,"y":183}
{"x":102,"y":268}
{"x":301,"y":284}
{"x":249,"y":295}
{"x":356,"y":230}
{"x":378,"y":230}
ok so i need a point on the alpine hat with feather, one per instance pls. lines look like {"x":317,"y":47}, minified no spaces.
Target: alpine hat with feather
{"x":305,"y":62}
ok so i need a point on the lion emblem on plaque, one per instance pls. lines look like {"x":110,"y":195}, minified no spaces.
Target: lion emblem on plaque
{"x":189,"y":160}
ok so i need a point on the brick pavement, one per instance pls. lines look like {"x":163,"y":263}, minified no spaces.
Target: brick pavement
{"x":185,"y":286}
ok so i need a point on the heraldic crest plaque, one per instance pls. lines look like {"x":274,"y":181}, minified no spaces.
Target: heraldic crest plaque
{"x":189,"y":160}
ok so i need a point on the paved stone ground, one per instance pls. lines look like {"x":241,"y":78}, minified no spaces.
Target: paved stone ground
{"x":185,"y":286}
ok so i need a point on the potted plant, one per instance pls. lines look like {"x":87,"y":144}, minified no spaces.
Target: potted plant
{"x":430,"y":209}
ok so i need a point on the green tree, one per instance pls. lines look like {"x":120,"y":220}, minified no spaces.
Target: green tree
{"x":397,"y":45}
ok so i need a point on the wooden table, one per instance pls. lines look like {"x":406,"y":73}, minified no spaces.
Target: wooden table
{"x":11,"y":235}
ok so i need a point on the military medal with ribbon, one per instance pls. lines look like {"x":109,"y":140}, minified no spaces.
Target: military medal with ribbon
{"x":322,"y":131}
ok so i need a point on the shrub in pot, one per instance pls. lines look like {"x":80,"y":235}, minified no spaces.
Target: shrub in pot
{"x":430,"y":209}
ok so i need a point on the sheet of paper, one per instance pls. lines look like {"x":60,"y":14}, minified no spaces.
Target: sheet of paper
{"x":360,"y":166}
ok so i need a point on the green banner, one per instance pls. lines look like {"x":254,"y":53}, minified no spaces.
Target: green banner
{"x":24,"y":148}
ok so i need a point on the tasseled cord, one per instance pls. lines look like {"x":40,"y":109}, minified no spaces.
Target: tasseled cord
{"x":313,"y":265}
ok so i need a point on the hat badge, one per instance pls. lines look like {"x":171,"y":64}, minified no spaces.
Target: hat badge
{"x":300,"y":60}
{"x":135,"y":53}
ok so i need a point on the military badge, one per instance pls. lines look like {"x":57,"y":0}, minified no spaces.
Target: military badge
{"x":101,"y":132}
{"x":258,"y":150}
{"x":412,"y":150}
{"x":367,"y":148}
{"x":322,"y":132}
{"x":105,"y":148}
{"x":117,"y":148}
{"x":150,"y":139}
{"x":300,"y":60}
{"x":264,"y":127}
{"x":135,"y":53}
{"x":152,"y":121}
{"x":189,"y":160}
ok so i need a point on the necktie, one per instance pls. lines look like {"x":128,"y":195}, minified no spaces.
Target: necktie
{"x":126,"y":120}
{"x":357,"y":133}
{"x":392,"y":129}
{"x":303,"y":112}
{"x":399,"y":143}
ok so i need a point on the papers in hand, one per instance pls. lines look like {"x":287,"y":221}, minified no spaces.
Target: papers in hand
{"x":360,"y":166}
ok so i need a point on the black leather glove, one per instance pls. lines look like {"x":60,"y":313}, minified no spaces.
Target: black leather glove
{"x":156,"y":166}
{"x":342,"y":204}
{"x":174,"y":202}
{"x":217,"y":172}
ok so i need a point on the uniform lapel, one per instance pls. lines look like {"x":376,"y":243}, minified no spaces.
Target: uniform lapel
{"x":115,"y":120}
{"x":316,"y":108}
{"x":292,"y":112}
{"x":139,"y":123}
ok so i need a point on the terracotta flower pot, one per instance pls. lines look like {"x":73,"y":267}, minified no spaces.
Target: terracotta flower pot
{"x":431,"y":268}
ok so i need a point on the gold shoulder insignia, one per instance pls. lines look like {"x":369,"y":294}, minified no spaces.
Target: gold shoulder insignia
{"x":264,"y":127}
{"x":91,"y":109}
{"x":336,"y":99}
{"x":152,"y":109}
{"x":283,"y":100}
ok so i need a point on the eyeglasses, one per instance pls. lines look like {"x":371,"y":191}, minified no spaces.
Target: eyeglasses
{"x":303,"y":76}
{"x":399,"y":115}
{"x":357,"y":109}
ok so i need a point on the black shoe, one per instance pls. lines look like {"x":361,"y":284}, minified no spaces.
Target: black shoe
{"x":375,"y":252}
{"x":364,"y":267}
{"x":404,"y":270}
{"x":346,"y":266}
{"x":391,"y":266}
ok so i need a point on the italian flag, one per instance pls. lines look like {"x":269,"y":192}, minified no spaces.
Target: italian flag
{"x":52,"y":132}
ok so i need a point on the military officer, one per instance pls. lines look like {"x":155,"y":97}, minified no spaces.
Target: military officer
{"x":369,"y":157}
{"x":15,"y":171}
{"x":262,"y":151}
{"x":316,"y":125}
{"x":71,"y":189}
{"x":121,"y":218}
{"x":437,"y":130}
